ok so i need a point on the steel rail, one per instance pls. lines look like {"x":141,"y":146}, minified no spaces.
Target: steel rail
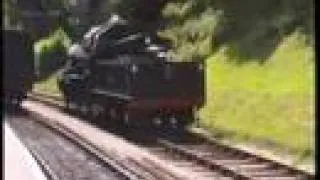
{"x":107,"y":160}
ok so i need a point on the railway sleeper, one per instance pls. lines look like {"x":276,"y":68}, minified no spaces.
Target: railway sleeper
{"x":229,"y":161}
{"x":269,"y":173}
{"x":246,"y":166}
{"x":219,"y":151}
{"x":219,"y":156}
{"x":273,"y":164}
{"x":206,"y":162}
{"x":254,"y":170}
{"x":279,"y":178}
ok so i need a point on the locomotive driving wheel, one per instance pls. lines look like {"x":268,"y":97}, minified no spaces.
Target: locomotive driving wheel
{"x":67,"y":102}
{"x":184,"y":119}
{"x":96,"y":112}
{"x":177,"y":121}
{"x":71,"y":105}
{"x":118,"y":116}
{"x":15,"y":102}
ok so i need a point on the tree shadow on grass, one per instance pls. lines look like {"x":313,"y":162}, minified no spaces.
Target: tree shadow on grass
{"x":255,"y":27}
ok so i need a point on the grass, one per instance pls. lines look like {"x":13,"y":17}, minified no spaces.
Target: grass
{"x":48,"y":86}
{"x":273,"y":102}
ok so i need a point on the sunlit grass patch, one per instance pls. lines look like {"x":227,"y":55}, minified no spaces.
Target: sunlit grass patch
{"x":48,"y":86}
{"x":273,"y":102}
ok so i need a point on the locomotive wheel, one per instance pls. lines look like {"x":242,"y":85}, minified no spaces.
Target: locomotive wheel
{"x":94,"y":112}
{"x":15,"y":102}
{"x":184,"y":119}
{"x":126,"y":121}
{"x":67,"y":103}
{"x":18,"y":101}
{"x":175,"y":122}
{"x":116,"y":116}
{"x":157,"y":123}
{"x":84,"y":109}
{"x":165,"y":124}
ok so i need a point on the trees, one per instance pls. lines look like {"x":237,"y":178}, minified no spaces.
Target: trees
{"x":37,"y":17}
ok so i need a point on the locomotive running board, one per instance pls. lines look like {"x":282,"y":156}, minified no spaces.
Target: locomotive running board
{"x":112,"y":94}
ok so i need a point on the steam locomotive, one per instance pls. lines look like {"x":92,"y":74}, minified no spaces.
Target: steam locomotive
{"x":119,"y":73}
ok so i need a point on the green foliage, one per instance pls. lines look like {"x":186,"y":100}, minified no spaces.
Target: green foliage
{"x":53,"y":5}
{"x":56,"y":42}
{"x":49,"y":16}
{"x":273,"y":102}
{"x":137,"y":10}
{"x":194,"y":37}
{"x":50,"y":51}
{"x":255,"y":28}
{"x":177,"y":11}
{"x":11,"y":15}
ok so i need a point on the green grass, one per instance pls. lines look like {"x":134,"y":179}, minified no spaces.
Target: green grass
{"x":273,"y":102}
{"x":48,"y":86}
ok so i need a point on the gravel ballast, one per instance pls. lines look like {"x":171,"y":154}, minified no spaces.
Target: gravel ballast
{"x":118,"y":147}
{"x":65,"y":159}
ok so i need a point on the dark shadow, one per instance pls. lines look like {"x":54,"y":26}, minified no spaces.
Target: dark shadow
{"x":254,"y":28}
{"x":141,"y":135}
{"x":39,"y":21}
{"x":14,"y":111}
{"x":50,"y":64}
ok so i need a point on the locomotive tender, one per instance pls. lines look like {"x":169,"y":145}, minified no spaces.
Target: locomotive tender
{"x":118,"y":72}
{"x":18,"y":66}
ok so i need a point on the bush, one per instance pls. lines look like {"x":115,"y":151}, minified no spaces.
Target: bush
{"x":255,"y":28}
{"x":50,"y":53}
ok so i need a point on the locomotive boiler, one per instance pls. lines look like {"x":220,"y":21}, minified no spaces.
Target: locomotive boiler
{"x":117,"y":72}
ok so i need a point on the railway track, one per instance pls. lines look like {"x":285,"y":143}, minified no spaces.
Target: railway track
{"x":126,"y":172}
{"x":129,"y":171}
{"x":60,"y":157}
{"x":209,"y":158}
{"x":230,"y":162}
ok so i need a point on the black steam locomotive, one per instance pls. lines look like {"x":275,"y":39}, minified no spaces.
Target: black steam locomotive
{"x":117,"y":72}
{"x":18,"y":66}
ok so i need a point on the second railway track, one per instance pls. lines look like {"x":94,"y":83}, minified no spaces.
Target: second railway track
{"x":209,"y":158}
